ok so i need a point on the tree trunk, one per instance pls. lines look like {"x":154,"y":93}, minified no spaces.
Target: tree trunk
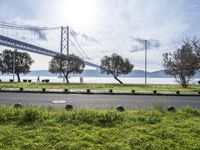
{"x":66,"y":77}
{"x":118,"y":80}
{"x":183,"y":81}
{"x":18,"y":77}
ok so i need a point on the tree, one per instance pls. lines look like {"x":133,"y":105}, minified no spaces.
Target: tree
{"x":182,"y":64}
{"x":66,"y":64}
{"x":116,"y":66}
{"x":23,"y":61}
{"x":195,"y":44}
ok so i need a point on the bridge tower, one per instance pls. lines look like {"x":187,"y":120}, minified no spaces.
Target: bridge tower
{"x":64,"y":42}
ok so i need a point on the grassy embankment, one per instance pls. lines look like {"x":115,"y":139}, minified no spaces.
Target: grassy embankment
{"x":193,"y":88}
{"x":38,"y":128}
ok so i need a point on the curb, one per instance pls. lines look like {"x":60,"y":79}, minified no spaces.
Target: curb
{"x":90,"y":92}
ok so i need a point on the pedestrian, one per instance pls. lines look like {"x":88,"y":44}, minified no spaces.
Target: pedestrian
{"x":38,"y":79}
{"x":81,"y":79}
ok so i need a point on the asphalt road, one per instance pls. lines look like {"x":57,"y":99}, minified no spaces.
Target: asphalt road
{"x":96,"y":101}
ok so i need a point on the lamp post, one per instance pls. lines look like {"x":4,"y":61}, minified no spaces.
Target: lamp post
{"x":145,"y":61}
{"x":14,"y":53}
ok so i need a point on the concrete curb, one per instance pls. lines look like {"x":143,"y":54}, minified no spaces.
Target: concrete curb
{"x":97,"y":92}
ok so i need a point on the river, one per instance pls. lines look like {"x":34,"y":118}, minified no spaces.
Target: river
{"x":100,"y":79}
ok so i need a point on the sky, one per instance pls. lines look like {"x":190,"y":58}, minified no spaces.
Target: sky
{"x":104,"y":27}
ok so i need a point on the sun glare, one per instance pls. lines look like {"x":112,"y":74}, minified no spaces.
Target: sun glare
{"x":79,"y":12}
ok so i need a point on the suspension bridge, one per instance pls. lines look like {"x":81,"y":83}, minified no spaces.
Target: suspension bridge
{"x":47,"y":41}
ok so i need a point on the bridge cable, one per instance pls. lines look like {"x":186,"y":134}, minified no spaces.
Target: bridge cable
{"x":80,"y":47}
{"x":76,"y":47}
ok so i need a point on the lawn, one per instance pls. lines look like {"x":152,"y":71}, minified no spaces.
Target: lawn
{"x":93,"y":86}
{"x":39,"y":128}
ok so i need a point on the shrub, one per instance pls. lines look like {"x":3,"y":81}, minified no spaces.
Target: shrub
{"x":88,"y":91}
{"x":66,"y":90}
{"x":154,"y":92}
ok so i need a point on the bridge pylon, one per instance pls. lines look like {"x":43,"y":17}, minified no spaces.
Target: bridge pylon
{"x":64,"y":42}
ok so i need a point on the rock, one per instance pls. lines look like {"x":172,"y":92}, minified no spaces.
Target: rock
{"x":69,"y":107}
{"x":18,"y":105}
{"x":120,"y":108}
{"x":171,"y":109}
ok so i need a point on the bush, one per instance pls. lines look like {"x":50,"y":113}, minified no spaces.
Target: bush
{"x":133,"y":91}
{"x":88,"y":91}
{"x":66,"y":90}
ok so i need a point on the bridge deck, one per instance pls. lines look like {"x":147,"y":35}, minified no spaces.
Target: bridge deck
{"x":13,"y":43}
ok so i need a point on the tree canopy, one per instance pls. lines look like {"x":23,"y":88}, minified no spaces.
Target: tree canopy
{"x":23,"y":61}
{"x":116,"y":66}
{"x":182,"y":64}
{"x":66,"y":64}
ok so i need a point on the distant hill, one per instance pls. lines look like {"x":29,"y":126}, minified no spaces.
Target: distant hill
{"x":97,"y":73}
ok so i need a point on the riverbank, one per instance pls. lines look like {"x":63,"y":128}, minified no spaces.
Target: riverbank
{"x":39,"y":128}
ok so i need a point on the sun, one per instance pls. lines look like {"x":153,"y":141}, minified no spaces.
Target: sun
{"x":80,"y":13}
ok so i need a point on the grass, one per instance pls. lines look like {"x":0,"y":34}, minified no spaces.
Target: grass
{"x":93,"y":86}
{"x":50,"y":128}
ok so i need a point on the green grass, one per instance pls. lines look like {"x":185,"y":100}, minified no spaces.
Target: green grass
{"x":39,"y":128}
{"x":193,"y":88}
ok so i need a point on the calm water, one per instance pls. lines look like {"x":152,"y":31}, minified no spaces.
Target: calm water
{"x":101,"y":80}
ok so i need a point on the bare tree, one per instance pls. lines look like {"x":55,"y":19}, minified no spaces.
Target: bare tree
{"x":116,"y":66}
{"x":182,"y":64}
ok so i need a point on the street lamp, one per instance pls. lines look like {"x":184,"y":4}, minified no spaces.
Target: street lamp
{"x":14,"y":55}
{"x":145,"y":61}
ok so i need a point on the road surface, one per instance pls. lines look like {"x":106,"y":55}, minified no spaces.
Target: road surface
{"x":96,"y":101}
